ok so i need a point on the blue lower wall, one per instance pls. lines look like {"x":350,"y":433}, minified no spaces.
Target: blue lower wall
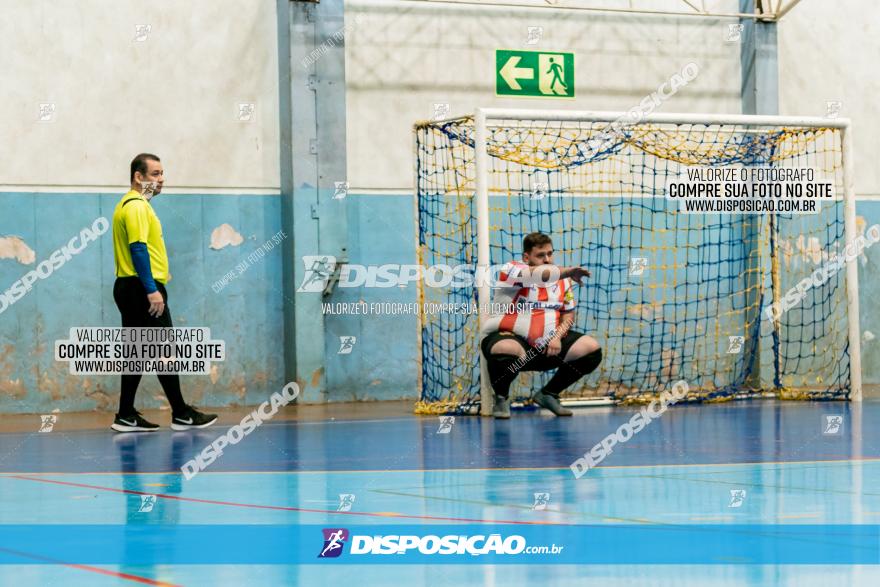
{"x":246,"y":313}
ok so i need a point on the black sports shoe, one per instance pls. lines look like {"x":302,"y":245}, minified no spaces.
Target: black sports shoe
{"x":133,"y":423}
{"x":549,"y":402}
{"x":192,"y":418}
{"x":501,"y":408}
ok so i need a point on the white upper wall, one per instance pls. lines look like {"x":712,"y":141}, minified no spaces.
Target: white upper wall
{"x":829,"y":51}
{"x":402,"y":57}
{"x":175,"y":94}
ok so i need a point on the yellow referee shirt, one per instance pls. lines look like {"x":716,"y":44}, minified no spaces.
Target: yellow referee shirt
{"x":135,"y":221}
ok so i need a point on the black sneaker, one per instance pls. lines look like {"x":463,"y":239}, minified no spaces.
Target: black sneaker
{"x":192,"y":418}
{"x":501,"y":408}
{"x":549,"y":402}
{"x":133,"y":423}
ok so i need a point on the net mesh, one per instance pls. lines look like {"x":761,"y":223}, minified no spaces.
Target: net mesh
{"x":672,"y":296}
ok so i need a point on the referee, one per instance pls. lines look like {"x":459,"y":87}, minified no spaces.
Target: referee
{"x":139,"y":291}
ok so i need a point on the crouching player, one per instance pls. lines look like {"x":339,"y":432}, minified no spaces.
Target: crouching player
{"x":535,"y":333}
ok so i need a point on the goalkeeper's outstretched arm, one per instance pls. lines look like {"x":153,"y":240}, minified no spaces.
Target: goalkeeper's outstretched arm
{"x":544,"y":274}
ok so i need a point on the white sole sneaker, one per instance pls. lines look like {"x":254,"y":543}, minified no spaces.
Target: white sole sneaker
{"x":175,"y":426}
{"x":122,"y":428}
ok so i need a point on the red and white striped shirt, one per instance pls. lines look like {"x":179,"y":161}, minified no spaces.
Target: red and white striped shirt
{"x":532,"y":311}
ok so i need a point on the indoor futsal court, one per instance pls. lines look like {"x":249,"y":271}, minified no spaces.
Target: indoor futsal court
{"x":439,"y":292}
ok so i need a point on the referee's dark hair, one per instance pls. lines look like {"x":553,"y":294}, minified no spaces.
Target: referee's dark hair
{"x":139,"y":163}
{"x":535,"y":239}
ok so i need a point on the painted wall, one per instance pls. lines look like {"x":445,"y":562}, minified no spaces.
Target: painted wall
{"x":176,"y":90}
{"x":403,"y":57}
{"x":244,"y":313}
{"x":828,"y":52}
{"x":174,"y":87}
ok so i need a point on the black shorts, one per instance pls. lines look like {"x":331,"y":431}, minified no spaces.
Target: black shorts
{"x":539,"y":360}
{"x":130,"y":296}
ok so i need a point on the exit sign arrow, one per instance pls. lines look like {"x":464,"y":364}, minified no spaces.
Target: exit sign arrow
{"x":510,"y":72}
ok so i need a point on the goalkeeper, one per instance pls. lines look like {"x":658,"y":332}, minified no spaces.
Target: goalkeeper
{"x":534,"y":333}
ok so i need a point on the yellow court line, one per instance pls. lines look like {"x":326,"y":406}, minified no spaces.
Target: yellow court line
{"x":463,"y":469}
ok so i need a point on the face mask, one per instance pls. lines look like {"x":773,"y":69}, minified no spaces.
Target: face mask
{"x":149,"y":188}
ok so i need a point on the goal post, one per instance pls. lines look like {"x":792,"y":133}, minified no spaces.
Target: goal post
{"x":596,"y":184}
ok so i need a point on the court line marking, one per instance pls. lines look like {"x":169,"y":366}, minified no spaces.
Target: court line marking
{"x":291,"y":508}
{"x":792,"y":488}
{"x":640,"y":520}
{"x":516,"y":506}
{"x":102,"y":431}
{"x":328,"y":471}
{"x":118,"y":575}
{"x":378,"y":514}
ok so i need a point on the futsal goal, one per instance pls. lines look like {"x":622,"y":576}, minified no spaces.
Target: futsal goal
{"x":673,"y":295}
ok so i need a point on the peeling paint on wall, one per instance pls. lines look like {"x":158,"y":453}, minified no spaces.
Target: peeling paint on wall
{"x":670,"y":359}
{"x":316,"y":376}
{"x":9,"y":386}
{"x":648,"y":311}
{"x":224,"y":236}
{"x":12,"y":247}
{"x":803,"y":250}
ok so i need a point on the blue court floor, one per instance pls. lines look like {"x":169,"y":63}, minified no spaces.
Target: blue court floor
{"x":751,"y":467}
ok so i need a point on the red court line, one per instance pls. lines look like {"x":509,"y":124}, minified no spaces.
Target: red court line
{"x":126,"y":576}
{"x":288,"y":508}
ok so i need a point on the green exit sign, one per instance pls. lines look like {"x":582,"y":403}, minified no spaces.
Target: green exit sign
{"x":539,"y":74}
